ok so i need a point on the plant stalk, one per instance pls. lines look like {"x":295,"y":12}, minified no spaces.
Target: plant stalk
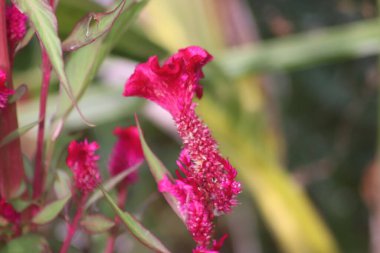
{"x":12,"y":167}
{"x":72,"y":227}
{"x":39,"y":169}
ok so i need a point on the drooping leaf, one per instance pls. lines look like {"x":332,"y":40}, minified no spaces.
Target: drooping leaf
{"x":86,"y":31}
{"x":17,"y":133}
{"x":44,"y":22}
{"x":85,"y":62}
{"x":62,"y":184}
{"x":96,"y":223}
{"x":27,"y":38}
{"x":30,"y":243}
{"x":110,"y":184}
{"x":50,"y":211}
{"x":136,"y":228}
{"x":158,"y":171}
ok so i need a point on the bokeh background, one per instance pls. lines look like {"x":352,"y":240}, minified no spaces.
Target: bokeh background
{"x":291,"y":97}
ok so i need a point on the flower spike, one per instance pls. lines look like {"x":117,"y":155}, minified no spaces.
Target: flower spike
{"x":206,"y":185}
{"x":82,"y":160}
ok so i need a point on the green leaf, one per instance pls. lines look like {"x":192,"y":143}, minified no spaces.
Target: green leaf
{"x":158,"y":171}
{"x":50,"y":211}
{"x":30,"y":243}
{"x":110,"y":184}
{"x":62,"y":184}
{"x":44,"y":22}
{"x":136,"y":229}
{"x":84,"y":63}
{"x":86,"y":32}
{"x":17,"y":133}
{"x":96,"y":223}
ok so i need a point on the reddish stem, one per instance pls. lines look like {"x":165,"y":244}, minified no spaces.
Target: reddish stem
{"x":72,"y":227}
{"x":12,"y":167}
{"x":39,"y":169}
{"x":121,"y":199}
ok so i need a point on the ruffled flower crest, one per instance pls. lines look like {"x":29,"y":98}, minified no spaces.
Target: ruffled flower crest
{"x":173,"y":84}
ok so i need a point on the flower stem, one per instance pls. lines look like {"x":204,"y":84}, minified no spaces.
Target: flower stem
{"x":39,"y":169}
{"x":122,"y":197}
{"x":72,"y":227}
{"x":12,"y":167}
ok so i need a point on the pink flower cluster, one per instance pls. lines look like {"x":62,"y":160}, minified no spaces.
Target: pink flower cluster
{"x":16,"y":26}
{"x":127,"y":152}
{"x":207,"y":187}
{"x":82,"y":160}
{"x":4,"y":91}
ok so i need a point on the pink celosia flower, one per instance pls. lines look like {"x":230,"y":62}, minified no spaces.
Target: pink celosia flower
{"x":16,"y":26}
{"x":82,"y":160}
{"x":126,"y":153}
{"x":173,"y":86}
{"x":4,"y":91}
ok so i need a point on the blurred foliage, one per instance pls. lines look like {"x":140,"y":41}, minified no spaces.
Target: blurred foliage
{"x":295,"y":112}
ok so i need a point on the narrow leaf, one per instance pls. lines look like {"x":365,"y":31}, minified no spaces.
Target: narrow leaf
{"x":158,"y":171}
{"x":50,"y":211}
{"x":84,"y":63}
{"x":136,"y":229}
{"x":30,"y":243}
{"x":110,"y":184}
{"x":17,"y":133}
{"x":86,"y":32}
{"x":96,"y":223}
{"x":44,"y":22}
{"x":62,"y":184}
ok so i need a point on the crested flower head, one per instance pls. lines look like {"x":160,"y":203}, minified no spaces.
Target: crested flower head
{"x":206,"y":179}
{"x":4,"y":91}
{"x":16,"y":26}
{"x":126,"y":153}
{"x":82,"y":160}
{"x":173,"y":84}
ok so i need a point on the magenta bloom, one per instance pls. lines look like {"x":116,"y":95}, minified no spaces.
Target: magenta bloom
{"x":4,"y":91}
{"x":126,"y":153}
{"x":209,"y":178}
{"x":82,"y":160}
{"x":16,"y":26}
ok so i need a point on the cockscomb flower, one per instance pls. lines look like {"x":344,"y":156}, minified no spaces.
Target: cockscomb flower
{"x":82,"y":160}
{"x":4,"y":91}
{"x":210,"y":177}
{"x":173,"y":86}
{"x":16,"y":26}
{"x":126,"y":153}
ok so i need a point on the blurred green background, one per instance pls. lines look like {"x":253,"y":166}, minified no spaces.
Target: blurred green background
{"x":291,"y":97}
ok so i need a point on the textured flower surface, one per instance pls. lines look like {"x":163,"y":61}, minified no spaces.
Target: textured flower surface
{"x":16,"y":26}
{"x":82,"y":160}
{"x":4,"y":91}
{"x":206,"y":179}
{"x":126,"y":153}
